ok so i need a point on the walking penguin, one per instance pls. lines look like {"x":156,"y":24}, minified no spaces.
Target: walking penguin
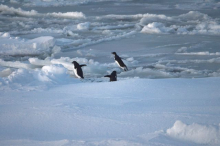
{"x":78,"y":70}
{"x":119,"y":61}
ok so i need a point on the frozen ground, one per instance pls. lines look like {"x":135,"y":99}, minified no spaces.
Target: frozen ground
{"x":127,"y":112}
{"x":169,"y":96}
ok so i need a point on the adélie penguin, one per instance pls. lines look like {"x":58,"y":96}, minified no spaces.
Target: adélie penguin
{"x":78,"y":70}
{"x":112,"y":76}
{"x":119,"y":61}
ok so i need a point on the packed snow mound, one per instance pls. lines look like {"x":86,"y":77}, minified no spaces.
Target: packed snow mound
{"x":37,"y":46}
{"x":45,"y":77}
{"x":197,"y":133}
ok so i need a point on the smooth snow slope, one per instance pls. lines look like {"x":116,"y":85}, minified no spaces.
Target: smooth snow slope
{"x":127,"y":112}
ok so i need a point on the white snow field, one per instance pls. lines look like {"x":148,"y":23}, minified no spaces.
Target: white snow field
{"x":168,"y":97}
{"x":127,"y":112}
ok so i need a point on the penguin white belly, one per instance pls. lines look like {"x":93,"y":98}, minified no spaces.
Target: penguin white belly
{"x":119,"y":65}
{"x":75,"y":71}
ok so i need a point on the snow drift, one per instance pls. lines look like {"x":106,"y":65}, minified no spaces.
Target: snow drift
{"x":197,"y":133}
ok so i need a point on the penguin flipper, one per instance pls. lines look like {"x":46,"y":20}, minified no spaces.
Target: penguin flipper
{"x":107,"y":76}
{"x":82,"y":65}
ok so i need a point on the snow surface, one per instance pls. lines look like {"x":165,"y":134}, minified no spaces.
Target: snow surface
{"x":169,"y":96}
{"x":109,"y":113}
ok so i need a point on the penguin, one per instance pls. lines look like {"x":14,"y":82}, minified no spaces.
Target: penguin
{"x":78,"y":70}
{"x":120,"y":62}
{"x":112,"y":76}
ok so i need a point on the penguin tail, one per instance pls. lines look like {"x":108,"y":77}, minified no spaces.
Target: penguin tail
{"x":125,"y":68}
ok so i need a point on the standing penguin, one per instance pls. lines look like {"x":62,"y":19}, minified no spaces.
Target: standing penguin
{"x":112,"y":76}
{"x":120,"y":62}
{"x":78,"y":70}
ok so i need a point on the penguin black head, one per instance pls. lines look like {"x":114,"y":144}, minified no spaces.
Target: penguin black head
{"x":112,"y":76}
{"x":113,"y":73}
{"x":114,"y":53}
{"x":76,"y":64}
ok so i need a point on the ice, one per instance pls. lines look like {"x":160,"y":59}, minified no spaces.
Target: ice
{"x":169,"y":96}
{"x":5,"y":10}
{"x":47,"y":3}
{"x":156,"y":28}
{"x":67,"y":15}
{"x":16,"y":64}
{"x":83,"y":26}
{"x":132,"y":111}
{"x":6,"y":35}
{"x":6,"y":72}
{"x":197,"y":133}
{"x":47,"y":76}
{"x":143,"y":73}
{"x":38,"y":46}
{"x":199,"y":23}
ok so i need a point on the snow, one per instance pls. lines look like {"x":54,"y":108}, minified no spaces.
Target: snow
{"x":120,"y":113}
{"x":168,"y":97}
{"x":15,"y":46}
{"x":5,"y":10}
{"x":83,"y":26}
{"x":197,"y":133}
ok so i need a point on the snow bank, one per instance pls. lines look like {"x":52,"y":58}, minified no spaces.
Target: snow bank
{"x":45,"y":77}
{"x":197,"y":133}
{"x":38,"y":46}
